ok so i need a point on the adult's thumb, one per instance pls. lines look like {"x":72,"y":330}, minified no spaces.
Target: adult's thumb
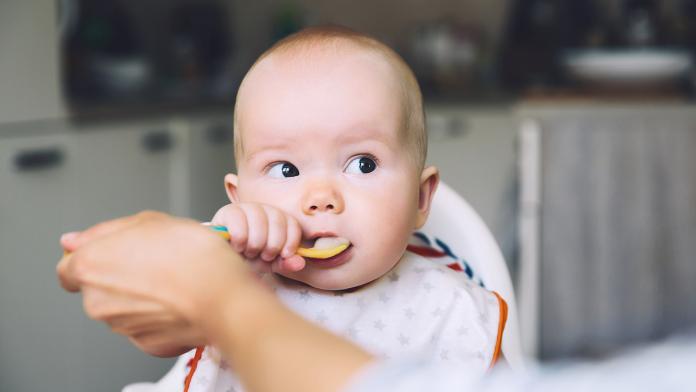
{"x":69,"y":241}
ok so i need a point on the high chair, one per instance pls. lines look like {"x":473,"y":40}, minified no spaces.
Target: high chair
{"x":454,"y":228}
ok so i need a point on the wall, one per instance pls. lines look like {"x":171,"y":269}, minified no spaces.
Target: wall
{"x":29,"y":72}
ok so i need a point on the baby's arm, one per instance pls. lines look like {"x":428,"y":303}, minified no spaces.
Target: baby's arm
{"x":264,"y":235}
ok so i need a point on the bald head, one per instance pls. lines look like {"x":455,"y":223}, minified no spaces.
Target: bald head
{"x":317,"y":54}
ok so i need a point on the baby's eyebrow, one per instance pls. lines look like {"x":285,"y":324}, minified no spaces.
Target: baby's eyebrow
{"x":253,"y":154}
{"x":360,"y":133}
{"x":366,"y":140}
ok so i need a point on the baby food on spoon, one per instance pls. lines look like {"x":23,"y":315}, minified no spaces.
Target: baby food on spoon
{"x":324,"y":247}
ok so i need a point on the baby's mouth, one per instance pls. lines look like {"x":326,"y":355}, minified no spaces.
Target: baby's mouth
{"x":324,"y":247}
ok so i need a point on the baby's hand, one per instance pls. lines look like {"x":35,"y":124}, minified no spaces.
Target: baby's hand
{"x":264,"y":235}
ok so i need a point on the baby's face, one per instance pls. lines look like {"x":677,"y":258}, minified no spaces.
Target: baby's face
{"x":322,"y":142}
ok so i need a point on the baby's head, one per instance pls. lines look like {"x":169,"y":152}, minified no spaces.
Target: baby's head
{"x":329,"y":127}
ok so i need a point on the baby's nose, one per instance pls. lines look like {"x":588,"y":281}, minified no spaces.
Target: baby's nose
{"x":322,"y":198}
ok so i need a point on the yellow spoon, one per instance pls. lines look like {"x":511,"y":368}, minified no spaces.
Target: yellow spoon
{"x":312,"y":253}
{"x":321,"y":253}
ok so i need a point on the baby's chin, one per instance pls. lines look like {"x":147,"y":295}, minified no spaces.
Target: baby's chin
{"x":338,"y":279}
{"x":329,"y":280}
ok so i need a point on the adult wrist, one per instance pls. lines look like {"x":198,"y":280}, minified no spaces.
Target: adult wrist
{"x":240,"y":312}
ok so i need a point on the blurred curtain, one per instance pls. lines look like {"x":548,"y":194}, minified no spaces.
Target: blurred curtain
{"x":618,"y":229}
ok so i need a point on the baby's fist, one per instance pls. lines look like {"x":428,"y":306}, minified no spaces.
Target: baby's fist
{"x":259,"y":231}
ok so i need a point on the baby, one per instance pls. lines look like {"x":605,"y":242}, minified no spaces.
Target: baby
{"x":330,"y":145}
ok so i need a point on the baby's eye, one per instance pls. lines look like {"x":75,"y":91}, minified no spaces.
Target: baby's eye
{"x":361,"y":164}
{"x":283,"y":170}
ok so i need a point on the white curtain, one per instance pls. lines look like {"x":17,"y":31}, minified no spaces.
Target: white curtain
{"x":618,"y":229}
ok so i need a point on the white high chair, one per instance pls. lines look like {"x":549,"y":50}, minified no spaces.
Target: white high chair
{"x":454,"y":222}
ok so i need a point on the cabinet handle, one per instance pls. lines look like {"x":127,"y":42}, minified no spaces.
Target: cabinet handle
{"x":457,"y":127}
{"x":39,"y":159}
{"x":219,"y":134}
{"x":158,"y":141}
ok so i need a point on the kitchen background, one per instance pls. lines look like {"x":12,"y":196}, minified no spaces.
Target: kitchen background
{"x":569,"y":126}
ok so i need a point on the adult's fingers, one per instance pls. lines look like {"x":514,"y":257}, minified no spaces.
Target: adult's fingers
{"x":67,"y":240}
{"x":68,"y":268}
{"x":259,"y":266}
{"x":162,"y":344}
{"x":68,"y":279}
{"x":73,"y":240}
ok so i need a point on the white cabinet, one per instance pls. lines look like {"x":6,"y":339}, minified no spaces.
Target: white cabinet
{"x":609,"y":212}
{"x":474,"y":148}
{"x":59,"y":177}
{"x":50,"y":184}
{"x":124,"y":169}
{"x":209,"y":156}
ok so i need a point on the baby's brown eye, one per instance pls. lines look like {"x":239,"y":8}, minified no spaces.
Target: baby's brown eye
{"x":362,"y":165}
{"x":289,"y":170}
{"x":283,"y":170}
{"x":367,"y":165}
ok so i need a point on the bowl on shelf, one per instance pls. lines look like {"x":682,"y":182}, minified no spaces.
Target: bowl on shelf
{"x":627,"y":67}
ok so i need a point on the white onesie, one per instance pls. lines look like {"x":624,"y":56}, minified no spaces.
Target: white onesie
{"x":419,"y":308}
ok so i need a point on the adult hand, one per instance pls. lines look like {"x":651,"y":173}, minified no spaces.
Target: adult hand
{"x":153,"y":278}
{"x":170,"y":284}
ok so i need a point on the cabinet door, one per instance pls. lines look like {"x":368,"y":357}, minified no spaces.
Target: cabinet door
{"x":124,"y":169}
{"x":50,"y":185}
{"x":475,"y":152}
{"x":617,"y":227}
{"x":211,"y":157}
{"x":40,"y":323}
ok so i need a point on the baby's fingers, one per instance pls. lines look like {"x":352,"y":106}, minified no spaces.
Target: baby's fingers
{"x":235,"y":219}
{"x":276,"y":233}
{"x":257,"y":223}
{"x":293,"y":263}
{"x":293,"y":238}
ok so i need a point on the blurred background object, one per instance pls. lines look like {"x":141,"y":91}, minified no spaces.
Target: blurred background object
{"x":568,"y":125}
{"x":608,"y":215}
{"x":647,"y":68}
{"x":555,"y":46}
{"x":117,"y":53}
{"x":447,"y":57}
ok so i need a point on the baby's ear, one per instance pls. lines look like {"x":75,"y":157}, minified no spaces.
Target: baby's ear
{"x":231,"y":182}
{"x":430,"y":177}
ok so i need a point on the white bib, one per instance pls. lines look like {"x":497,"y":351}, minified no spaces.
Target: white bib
{"x":420,"y":308}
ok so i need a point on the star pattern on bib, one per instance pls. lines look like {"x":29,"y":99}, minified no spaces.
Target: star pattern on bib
{"x":322,"y":317}
{"x":305,"y":295}
{"x":384,"y":297}
{"x":444,"y":355}
{"x":415,"y":309}
{"x":409,"y":313}
{"x":403,"y":340}
{"x":361,"y":303}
